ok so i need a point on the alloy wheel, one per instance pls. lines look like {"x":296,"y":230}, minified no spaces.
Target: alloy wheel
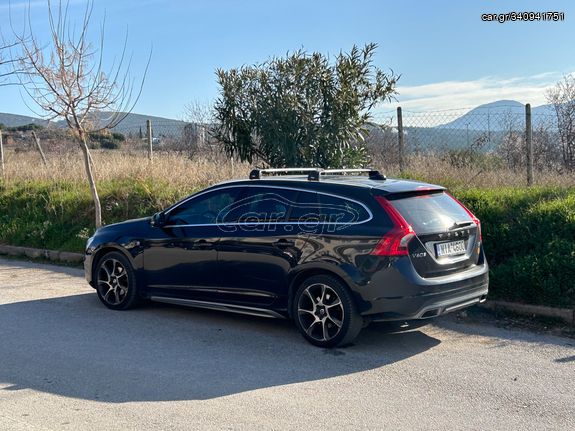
{"x":320,"y":312}
{"x":113,"y":281}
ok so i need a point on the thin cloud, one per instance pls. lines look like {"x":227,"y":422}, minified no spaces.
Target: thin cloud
{"x":469,"y":94}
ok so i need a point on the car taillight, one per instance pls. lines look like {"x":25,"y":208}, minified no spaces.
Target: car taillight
{"x":395,"y":241}
{"x":475,"y":219}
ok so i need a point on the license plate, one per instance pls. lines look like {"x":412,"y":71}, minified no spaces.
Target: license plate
{"x":450,"y":248}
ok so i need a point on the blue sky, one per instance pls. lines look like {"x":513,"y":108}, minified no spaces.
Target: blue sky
{"x":447,"y":57}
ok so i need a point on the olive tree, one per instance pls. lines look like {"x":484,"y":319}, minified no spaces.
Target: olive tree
{"x":66,"y":78}
{"x":301,"y":109}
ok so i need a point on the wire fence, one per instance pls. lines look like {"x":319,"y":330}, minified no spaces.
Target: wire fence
{"x":512,"y":137}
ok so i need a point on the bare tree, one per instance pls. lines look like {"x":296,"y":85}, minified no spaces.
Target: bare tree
{"x":7,"y":62}
{"x":66,"y":79}
{"x":562,"y":97}
{"x":512,"y":145}
{"x":6,"y":70}
{"x":196,"y":134}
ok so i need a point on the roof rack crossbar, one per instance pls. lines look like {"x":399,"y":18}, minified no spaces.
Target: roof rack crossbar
{"x":314,"y":174}
{"x":372,"y":173}
{"x":256,"y":174}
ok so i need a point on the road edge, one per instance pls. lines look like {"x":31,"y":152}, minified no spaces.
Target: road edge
{"x":38,"y":253}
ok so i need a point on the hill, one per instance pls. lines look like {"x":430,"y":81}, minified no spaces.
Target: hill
{"x":499,"y":115}
{"x":14,"y":120}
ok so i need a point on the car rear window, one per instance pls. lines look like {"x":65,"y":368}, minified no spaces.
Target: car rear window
{"x":429,"y":213}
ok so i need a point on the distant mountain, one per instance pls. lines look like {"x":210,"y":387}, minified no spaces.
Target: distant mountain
{"x":497,"y":116}
{"x":13,"y":120}
{"x":131,"y":124}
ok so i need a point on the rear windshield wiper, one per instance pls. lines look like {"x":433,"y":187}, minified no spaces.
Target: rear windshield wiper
{"x":460,"y":224}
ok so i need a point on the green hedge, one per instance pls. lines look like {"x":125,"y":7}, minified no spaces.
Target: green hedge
{"x":60,"y":216}
{"x":529,"y":239}
{"x":529,"y":234}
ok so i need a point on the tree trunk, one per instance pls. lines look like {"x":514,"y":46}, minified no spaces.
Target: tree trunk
{"x":91,"y":181}
{"x":1,"y":156}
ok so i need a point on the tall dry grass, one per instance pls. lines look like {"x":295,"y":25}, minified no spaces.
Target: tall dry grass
{"x":178,"y":170}
{"x":185,"y":173}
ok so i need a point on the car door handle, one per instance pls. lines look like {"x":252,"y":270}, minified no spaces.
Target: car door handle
{"x":284,"y":243}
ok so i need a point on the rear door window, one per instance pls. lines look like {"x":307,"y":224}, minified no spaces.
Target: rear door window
{"x":430,"y":213}
{"x":260,"y":205}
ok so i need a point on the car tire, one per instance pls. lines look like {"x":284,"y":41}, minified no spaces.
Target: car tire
{"x":116,"y":282}
{"x":325,"y":313}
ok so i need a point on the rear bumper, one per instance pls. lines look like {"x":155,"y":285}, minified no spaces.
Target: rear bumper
{"x":427,"y":298}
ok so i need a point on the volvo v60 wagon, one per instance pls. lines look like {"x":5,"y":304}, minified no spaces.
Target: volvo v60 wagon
{"x":330,"y":249}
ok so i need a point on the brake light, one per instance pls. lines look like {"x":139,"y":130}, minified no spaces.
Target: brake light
{"x":475,"y":219}
{"x":395,"y":241}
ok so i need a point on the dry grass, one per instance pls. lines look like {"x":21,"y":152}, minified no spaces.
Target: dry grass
{"x":178,"y":170}
{"x":436,"y":169}
{"x":183,"y":173}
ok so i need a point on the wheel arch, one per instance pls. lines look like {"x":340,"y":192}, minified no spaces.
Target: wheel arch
{"x":304,"y":273}
{"x":108,"y":248}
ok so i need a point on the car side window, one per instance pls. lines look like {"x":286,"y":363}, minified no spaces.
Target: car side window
{"x":318,"y":207}
{"x":305,"y":210}
{"x":340,"y":210}
{"x":260,"y":205}
{"x":205,"y":209}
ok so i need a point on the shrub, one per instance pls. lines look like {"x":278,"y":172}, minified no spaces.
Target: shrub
{"x":106,"y":140}
{"x":529,"y":239}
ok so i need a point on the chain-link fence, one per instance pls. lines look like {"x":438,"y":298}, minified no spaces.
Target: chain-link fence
{"x":511,"y":137}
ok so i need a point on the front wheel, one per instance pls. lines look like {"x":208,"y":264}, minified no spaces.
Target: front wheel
{"x":325,"y":313}
{"x":115,"y":282}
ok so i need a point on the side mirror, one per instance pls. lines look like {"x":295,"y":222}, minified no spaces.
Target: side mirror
{"x":158,"y":219}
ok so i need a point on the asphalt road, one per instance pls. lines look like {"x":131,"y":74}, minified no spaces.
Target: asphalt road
{"x":66,"y":362}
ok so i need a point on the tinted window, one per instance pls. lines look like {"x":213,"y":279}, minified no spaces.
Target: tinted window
{"x":261,"y":205}
{"x":204,"y":209}
{"x":339,"y":210}
{"x":435,"y":212}
{"x":313,"y":207}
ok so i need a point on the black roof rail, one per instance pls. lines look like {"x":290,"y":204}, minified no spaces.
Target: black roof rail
{"x":314,"y":174}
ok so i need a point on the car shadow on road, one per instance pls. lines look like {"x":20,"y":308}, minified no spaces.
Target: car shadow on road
{"x":74,"y":347}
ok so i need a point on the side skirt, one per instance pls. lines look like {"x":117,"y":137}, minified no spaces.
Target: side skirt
{"x":240,"y":309}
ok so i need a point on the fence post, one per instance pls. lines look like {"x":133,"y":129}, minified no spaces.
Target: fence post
{"x":400,"y":139}
{"x":150,"y":139}
{"x":39,"y":148}
{"x":529,"y":143}
{"x":1,"y":156}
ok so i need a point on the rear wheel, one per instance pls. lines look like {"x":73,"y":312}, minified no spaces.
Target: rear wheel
{"x":325,"y":313}
{"x":115,"y":282}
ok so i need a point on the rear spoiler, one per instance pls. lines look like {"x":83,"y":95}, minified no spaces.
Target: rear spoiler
{"x":409,"y":191}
